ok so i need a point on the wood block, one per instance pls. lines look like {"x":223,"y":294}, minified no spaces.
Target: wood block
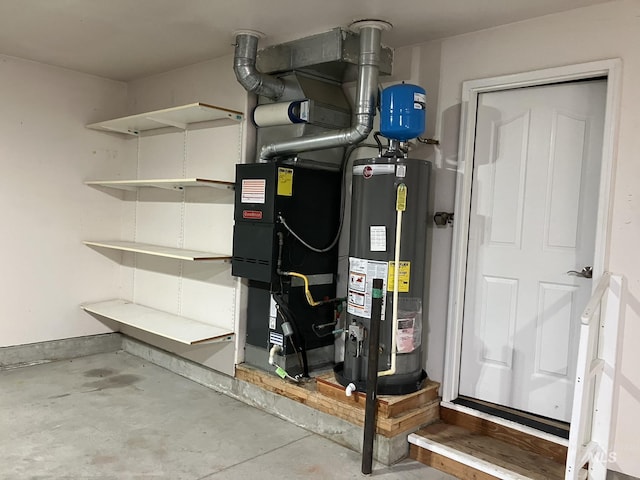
{"x":272,"y":383}
{"x":554,"y":451}
{"x":307,"y":394}
{"x":389,"y":406}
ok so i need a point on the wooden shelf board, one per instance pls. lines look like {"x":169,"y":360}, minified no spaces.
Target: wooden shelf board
{"x":157,"y":250}
{"x":179,"y":117}
{"x":167,"y":325}
{"x":168,"y":183}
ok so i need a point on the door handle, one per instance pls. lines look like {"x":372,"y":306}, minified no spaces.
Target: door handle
{"x":586,"y":272}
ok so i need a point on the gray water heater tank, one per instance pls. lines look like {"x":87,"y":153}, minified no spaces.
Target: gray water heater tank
{"x":374,"y":216}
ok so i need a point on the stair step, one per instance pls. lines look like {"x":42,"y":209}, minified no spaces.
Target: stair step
{"x":469,"y":455}
{"x":556,"y":451}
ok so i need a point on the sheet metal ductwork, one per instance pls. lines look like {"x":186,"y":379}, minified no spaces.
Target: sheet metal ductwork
{"x":372,"y":58}
{"x":244,"y":66}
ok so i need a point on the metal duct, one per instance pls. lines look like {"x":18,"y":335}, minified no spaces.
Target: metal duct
{"x":368,"y":69}
{"x":244,"y":66}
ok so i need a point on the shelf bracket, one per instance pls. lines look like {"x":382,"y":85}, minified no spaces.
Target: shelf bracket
{"x":120,"y":130}
{"x":168,"y":123}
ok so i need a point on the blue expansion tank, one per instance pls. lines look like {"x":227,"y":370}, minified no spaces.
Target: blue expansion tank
{"x":402,"y":111}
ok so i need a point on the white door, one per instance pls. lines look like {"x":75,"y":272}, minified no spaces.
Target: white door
{"x":533,"y":217}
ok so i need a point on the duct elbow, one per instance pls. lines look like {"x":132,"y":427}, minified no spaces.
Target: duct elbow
{"x":267,"y":152}
{"x":244,"y":66}
{"x":255,"y":82}
{"x":246,"y":76}
{"x":360,"y":132}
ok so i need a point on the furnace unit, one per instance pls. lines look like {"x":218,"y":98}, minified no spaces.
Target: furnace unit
{"x":275,"y":202}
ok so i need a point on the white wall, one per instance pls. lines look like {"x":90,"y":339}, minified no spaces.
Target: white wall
{"x":605,"y":31}
{"x":46,"y":153}
{"x":210,"y":82}
{"x":202,"y":220}
{"x":420,"y":65}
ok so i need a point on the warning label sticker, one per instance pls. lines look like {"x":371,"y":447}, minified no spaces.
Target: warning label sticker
{"x":253,"y":190}
{"x":362,"y":272}
{"x":405,"y":338}
{"x":403,"y":276}
{"x":285,"y":182}
{"x":357,"y":281}
{"x":357,"y":300}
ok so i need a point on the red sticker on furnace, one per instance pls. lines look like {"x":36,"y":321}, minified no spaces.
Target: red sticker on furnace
{"x":367,"y":171}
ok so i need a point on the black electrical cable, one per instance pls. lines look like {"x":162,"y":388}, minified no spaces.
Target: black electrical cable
{"x":277,"y":297}
{"x":343,"y":194}
{"x":290,"y":337}
{"x":376,"y":137}
{"x":296,"y":331}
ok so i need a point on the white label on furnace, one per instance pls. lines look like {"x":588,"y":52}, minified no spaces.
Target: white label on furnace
{"x":361,"y":275}
{"x":401,"y":171}
{"x":377,"y":238}
{"x":253,"y":190}
{"x":276,"y":338}
{"x":273,"y":313}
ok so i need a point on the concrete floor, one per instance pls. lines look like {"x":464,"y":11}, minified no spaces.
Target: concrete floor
{"x":115,"y":416}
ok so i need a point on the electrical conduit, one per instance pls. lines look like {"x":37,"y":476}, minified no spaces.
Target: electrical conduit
{"x":401,"y":205}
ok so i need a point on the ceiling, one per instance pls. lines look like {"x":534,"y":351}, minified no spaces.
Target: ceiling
{"x":128,"y":39}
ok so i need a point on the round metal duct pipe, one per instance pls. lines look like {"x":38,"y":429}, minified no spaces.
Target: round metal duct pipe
{"x":244,"y":66}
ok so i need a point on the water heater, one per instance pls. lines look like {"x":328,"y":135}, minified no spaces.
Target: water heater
{"x":388,"y":241}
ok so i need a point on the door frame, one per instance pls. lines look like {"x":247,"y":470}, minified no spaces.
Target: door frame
{"x":611,"y":69}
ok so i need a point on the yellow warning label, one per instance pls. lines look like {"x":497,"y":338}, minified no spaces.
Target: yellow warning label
{"x":285,"y":182}
{"x":403,"y":277}
{"x":401,"y":198}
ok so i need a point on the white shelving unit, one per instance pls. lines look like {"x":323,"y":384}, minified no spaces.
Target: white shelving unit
{"x":188,"y":282}
{"x":178,"y":117}
{"x":167,"y":184}
{"x":158,"y":250}
{"x":174,"y":327}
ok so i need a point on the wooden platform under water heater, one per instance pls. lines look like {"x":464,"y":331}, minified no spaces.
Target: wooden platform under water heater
{"x":396,"y":414}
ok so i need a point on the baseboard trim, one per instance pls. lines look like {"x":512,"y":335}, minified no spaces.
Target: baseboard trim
{"x":17,"y":356}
